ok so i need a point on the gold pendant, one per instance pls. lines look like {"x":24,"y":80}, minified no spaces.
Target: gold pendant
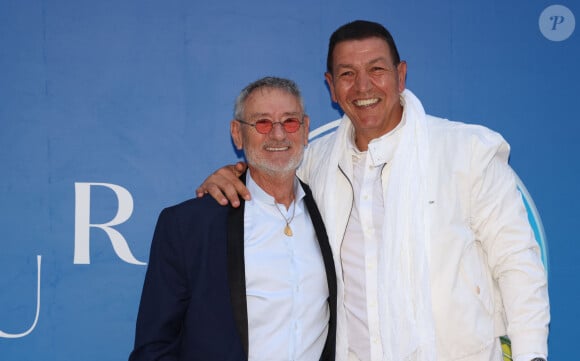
{"x":288,"y":230}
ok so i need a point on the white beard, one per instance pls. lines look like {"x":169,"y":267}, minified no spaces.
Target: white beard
{"x":274,"y":167}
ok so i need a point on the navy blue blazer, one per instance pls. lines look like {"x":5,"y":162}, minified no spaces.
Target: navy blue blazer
{"x":193,"y":304}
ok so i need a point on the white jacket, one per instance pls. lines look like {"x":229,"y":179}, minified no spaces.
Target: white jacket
{"x":486,"y":274}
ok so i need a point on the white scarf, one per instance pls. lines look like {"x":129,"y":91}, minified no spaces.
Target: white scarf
{"x":405,"y":312}
{"x":404,"y":290}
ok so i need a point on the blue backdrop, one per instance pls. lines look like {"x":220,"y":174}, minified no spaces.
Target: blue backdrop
{"x":112,"y":110}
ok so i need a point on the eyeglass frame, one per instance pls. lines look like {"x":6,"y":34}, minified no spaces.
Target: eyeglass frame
{"x":253,"y":125}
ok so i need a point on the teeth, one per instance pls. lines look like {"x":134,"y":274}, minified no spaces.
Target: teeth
{"x":272,"y":149}
{"x":366,"y":102}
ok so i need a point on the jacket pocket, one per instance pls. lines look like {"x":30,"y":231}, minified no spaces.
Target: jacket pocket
{"x":475,"y":273}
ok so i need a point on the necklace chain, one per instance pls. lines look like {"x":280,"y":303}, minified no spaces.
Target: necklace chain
{"x":287,"y":229}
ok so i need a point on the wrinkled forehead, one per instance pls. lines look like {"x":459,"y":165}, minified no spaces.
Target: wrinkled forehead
{"x":269,"y":101}
{"x":363,"y":50}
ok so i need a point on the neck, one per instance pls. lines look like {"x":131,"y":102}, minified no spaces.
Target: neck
{"x":362,"y":137}
{"x":279,"y":185}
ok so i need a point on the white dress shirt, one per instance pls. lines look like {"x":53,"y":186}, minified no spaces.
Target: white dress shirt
{"x":360,"y":246}
{"x":286,"y":283}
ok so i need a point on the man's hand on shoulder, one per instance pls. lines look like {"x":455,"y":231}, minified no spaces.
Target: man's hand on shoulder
{"x":224,"y":185}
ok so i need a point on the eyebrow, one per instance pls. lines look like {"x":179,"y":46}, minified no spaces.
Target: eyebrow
{"x":372,"y":61}
{"x":260,"y":115}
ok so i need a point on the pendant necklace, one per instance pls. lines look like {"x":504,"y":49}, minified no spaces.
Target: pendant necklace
{"x":287,"y":229}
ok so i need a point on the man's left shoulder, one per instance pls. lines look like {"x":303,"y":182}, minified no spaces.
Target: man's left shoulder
{"x":460,"y":131}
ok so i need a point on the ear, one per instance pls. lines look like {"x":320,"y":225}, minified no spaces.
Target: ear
{"x":402,"y":74}
{"x":236,"y":131}
{"x":330,"y":82}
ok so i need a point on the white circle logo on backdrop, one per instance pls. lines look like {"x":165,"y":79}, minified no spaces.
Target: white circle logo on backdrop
{"x":557,"y":23}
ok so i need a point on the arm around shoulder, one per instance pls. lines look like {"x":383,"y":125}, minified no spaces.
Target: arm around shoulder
{"x":225,"y":186}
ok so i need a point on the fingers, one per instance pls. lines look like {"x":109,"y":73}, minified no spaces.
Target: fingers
{"x":220,"y":176}
{"x":201,"y":190}
{"x":224,"y":193}
{"x":225,"y":186}
{"x":239,"y":168}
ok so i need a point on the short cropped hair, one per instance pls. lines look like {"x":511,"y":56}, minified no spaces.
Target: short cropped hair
{"x":360,"y":30}
{"x":269,"y":82}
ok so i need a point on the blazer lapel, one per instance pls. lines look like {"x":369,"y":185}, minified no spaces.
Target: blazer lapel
{"x":328,"y":353}
{"x":237,"y":270}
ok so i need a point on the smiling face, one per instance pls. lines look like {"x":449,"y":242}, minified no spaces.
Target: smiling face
{"x":367,"y":84}
{"x":277,"y":153}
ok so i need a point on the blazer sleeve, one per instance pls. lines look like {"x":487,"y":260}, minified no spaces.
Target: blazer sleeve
{"x":165,"y":295}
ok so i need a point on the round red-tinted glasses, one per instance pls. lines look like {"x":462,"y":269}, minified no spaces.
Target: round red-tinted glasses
{"x":264,"y":126}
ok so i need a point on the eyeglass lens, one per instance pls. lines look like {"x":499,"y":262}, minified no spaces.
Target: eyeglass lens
{"x":264,"y":126}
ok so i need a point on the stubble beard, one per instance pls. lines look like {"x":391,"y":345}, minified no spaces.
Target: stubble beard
{"x":274,"y":168}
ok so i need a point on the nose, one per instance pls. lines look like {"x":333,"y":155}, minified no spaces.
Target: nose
{"x":362,"y":81}
{"x":277,"y":131}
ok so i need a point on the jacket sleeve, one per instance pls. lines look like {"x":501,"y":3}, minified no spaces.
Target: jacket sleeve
{"x":165,"y":295}
{"x":500,"y":222}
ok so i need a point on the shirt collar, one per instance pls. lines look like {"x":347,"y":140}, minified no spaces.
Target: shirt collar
{"x":260,"y":195}
{"x":381,"y":150}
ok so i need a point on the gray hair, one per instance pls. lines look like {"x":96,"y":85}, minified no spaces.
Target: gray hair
{"x":269,"y":82}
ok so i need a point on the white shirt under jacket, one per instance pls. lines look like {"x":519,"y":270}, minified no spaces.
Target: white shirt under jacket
{"x":286,"y":287}
{"x":486,"y":275}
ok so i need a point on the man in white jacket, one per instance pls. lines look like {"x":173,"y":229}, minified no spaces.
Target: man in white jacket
{"x":437,"y":258}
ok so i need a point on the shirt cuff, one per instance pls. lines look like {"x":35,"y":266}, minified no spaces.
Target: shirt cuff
{"x":529,"y":356}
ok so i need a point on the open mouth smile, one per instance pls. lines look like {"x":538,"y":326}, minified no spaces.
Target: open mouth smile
{"x":366,"y":102}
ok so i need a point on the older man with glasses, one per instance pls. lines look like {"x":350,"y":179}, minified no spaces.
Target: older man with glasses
{"x":250,"y":283}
